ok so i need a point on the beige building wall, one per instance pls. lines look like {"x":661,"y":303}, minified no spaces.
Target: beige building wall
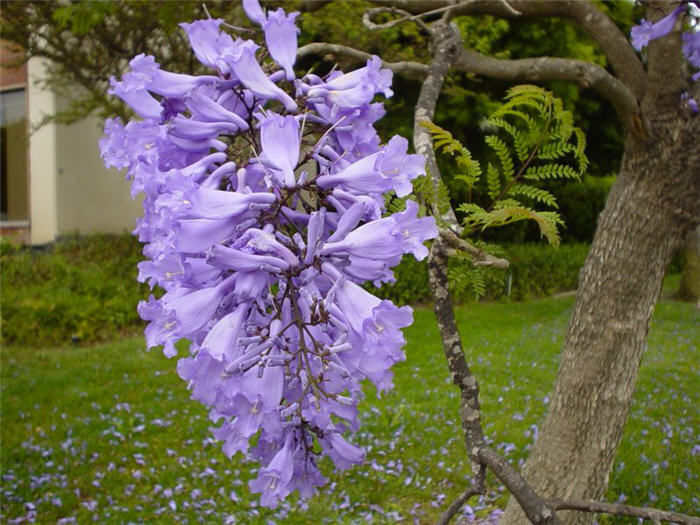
{"x":71,"y":190}
{"x":91,"y":198}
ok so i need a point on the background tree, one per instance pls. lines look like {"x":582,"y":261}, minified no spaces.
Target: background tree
{"x":689,"y":289}
{"x":86,"y":43}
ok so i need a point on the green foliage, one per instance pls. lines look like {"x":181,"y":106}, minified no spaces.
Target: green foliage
{"x":82,"y":17}
{"x":80,"y":290}
{"x":411,"y":286}
{"x":533,"y":140}
{"x":538,"y":270}
{"x":469,"y":282}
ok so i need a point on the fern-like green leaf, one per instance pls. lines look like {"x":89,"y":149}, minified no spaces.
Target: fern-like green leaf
{"x":471,"y":208}
{"x":493,"y":179}
{"x":445,"y":142}
{"x":555,"y":150}
{"x":519,"y":140}
{"x":504,"y":157}
{"x":550,"y":171}
{"x":548,"y":221}
{"x":533,"y":193}
{"x":524,"y":117}
{"x":524,"y":89}
{"x":579,"y":151}
{"x":535,"y":140}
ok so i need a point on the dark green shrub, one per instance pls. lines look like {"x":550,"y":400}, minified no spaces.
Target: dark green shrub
{"x":411,"y":286}
{"x":580,"y":203}
{"x":537,"y":270}
{"x":84,"y":289}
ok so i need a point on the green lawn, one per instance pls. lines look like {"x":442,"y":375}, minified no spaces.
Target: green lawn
{"x":108,"y":434}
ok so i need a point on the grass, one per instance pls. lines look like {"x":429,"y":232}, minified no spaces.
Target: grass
{"x":107,"y":433}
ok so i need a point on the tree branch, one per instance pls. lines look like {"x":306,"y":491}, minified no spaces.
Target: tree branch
{"x":409,"y":69}
{"x":479,"y":257}
{"x":612,"y":42}
{"x":623,"y":510}
{"x":586,"y":74}
{"x":536,"y":509}
{"x":446,"y":42}
{"x":407,"y":17}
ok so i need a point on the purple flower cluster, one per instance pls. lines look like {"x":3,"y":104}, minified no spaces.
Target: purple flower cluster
{"x":263,"y":215}
{"x":647,"y":31}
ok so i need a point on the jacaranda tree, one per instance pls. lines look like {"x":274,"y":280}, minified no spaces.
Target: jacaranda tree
{"x":648,"y":213}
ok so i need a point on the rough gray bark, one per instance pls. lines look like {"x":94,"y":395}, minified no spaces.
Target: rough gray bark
{"x":619,"y":286}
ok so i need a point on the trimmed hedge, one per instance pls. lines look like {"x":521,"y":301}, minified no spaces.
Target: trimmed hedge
{"x":539,"y":270}
{"x":536,"y":270}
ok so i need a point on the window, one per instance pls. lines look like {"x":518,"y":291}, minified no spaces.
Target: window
{"x":14,"y":195}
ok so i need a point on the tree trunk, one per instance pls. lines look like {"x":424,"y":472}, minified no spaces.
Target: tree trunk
{"x":648,"y":212}
{"x":689,"y":289}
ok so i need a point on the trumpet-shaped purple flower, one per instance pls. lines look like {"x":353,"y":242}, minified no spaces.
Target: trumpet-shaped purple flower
{"x":355,"y":89}
{"x":254,"y":11}
{"x":273,"y":480}
{"x":281,"y":39}
{"x":209,"y":44}
{"x":391,"y":168}
{"x":259,"y":232}
{"x":647,"y":31}
{"x":247,"y":68}
{"x":280,"y":140}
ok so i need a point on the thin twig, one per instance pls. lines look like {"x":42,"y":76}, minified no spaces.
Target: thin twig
{"x":477,"y":487}
{"x":456,"y":505}
{"x":480,"y":258}
{"x":408,"y":17}
{"x":510,"y":8}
